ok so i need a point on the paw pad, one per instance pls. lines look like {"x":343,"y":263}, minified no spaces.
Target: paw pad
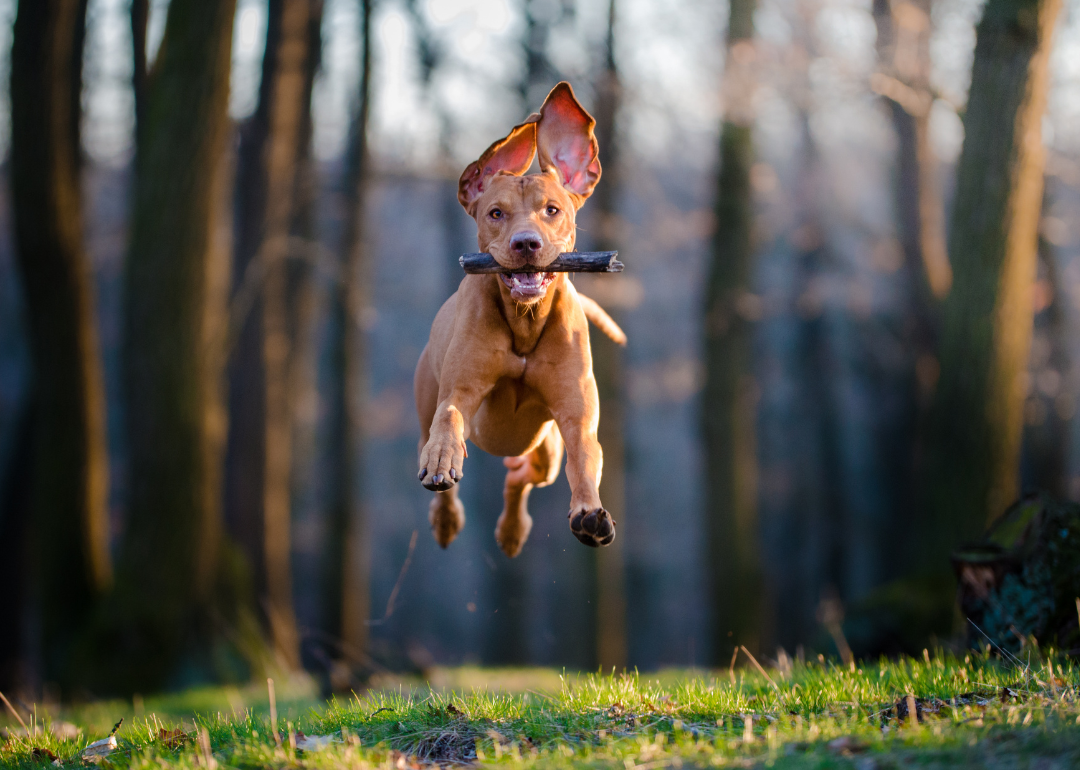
{"x":594,"y":528}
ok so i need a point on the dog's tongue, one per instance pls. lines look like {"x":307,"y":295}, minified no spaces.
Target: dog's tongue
{"x":527,"y":281}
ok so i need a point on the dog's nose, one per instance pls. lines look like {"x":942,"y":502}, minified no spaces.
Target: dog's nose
{"x":526,"y":244}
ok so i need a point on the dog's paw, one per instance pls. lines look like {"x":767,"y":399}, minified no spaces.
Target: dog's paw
{"x":593,"y":528}
{"x":436,"y":482}
{"x":446,"y":515}
{"x":440,"y":463}
{"x":511,"y":532}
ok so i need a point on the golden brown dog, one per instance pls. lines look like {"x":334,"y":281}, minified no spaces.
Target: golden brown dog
{"x":508,"y":364}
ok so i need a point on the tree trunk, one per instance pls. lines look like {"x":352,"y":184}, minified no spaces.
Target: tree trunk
{"x":903,"y":45}
{"x":17,"y":670}
{"x":903,"y":81}
{"x":350,"y":569}
{"x":611,"y":643}
{"x":261,"y":431}
{"x":539,"y":74}
{"x":306,"y":303}
{"x":69,"y":493}
{"x":177,"y":272}
{"x":728,"y":399}
{"x":973,"y":445}
{"x":140,"y":73}
{"x":1048,"y":408}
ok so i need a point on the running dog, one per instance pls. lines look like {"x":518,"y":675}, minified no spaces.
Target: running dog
{"x":508,"y":365}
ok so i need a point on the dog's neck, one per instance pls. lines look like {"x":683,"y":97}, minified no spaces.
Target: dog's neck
{"x":527,"y":322}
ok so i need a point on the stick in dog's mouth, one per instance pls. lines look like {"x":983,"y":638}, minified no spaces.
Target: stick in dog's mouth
{"x":526,"y":286}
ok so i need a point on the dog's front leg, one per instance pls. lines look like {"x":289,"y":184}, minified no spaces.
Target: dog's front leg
{"x":444,"y":453}
{"x":467,"y":377}
{"x":577,"y":413}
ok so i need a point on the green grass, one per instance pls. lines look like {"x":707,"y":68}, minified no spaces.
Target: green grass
{"x":975,"y":711}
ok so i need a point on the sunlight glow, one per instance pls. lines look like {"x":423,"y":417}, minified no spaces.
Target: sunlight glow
{"x":249,"y":41}
{"x":672,"y":59}
{"x":109,"y":104}
{"x":249,"y":23}
{"x":493,"y":15}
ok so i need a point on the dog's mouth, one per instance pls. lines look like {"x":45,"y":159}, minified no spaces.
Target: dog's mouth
{"x":525,"y":287}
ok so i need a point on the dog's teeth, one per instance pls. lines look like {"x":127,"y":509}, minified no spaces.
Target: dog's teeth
{"x":528,"y":279}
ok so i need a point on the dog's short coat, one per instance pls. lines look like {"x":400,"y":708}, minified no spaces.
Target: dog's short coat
{"x":508,"y":364}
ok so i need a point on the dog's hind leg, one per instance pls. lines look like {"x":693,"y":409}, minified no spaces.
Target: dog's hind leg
{"x":538,"y":468}
{"x":446,"y":515}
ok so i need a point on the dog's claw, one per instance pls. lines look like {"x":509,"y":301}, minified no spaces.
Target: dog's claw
{"x":438,"y":483}
{"x":594,"y":529}
{"x":453,"y":474}
{"x":423,"y":472}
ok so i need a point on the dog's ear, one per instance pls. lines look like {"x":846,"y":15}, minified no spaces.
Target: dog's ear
{"x":513,"y":154}
{"x":566,"y":143}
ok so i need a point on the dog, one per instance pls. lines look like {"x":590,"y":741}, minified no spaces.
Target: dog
{"x":508,"y":364}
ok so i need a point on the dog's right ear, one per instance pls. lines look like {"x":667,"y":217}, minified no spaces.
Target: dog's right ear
{"x":513,"y":154}
{"x":567,"y":143}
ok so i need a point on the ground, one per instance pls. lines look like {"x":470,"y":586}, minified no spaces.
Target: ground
{"x":972,"y":711}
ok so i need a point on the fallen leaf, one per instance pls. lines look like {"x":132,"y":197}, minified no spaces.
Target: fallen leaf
{"x":98,"y":750}
{"x":43,"y":754}
{"x":313,"y":742}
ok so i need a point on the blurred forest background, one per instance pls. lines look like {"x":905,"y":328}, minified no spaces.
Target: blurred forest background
{"x":852,"y":238}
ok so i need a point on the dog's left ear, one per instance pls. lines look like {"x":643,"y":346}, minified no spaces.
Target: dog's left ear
{"x":513,"y":155}
{"x":566,"y":143}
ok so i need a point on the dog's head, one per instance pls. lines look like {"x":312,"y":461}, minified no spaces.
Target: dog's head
{"x":527,"y":221}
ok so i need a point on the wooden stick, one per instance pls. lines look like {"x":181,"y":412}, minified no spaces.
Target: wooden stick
{"x":567,"y":262}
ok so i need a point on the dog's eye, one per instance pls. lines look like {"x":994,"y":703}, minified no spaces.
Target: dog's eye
{"x":552,"y":211}
{"x":495,"y":214}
